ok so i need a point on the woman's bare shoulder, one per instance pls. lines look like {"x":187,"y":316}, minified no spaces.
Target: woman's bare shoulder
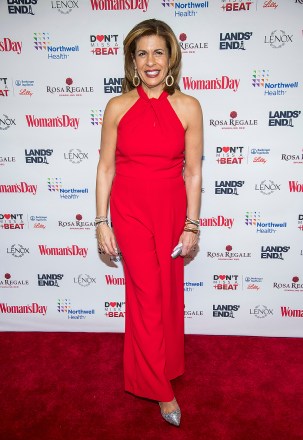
{"x":187,"y":101}
{"x":123,"y":100}
{"x":187,"y":108}
{"x":118,"y":105}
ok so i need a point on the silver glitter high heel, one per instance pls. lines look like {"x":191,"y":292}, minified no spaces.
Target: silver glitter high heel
{"x":174,"y":417}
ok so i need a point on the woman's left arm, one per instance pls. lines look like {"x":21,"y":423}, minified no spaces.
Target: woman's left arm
{"x":193,"y":170}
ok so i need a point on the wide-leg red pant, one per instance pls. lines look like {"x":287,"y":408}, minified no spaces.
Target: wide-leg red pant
{"x":148,"y":218}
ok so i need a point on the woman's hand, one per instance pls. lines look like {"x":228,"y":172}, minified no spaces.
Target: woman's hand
{"x":106,"y":239}
{"x":189,"y":241}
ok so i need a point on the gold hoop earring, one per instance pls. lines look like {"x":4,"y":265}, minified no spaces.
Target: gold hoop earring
{"x":169,"y":80}
{"x":136,"y":79}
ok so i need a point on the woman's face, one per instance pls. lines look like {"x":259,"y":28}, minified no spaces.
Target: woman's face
{"x":152,"y":60}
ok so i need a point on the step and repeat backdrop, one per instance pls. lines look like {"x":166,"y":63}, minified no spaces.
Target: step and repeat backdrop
{"x":61,"y":61}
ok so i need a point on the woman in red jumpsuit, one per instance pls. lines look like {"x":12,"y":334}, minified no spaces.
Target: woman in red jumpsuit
{"x":149,"y":173}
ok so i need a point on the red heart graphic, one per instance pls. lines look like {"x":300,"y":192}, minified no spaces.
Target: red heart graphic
{"x":113,"y":304}
{"x":222,"y":277}
{"x":7,"y":216}
{"x":225,"y":149}
{"x":100,"y":38}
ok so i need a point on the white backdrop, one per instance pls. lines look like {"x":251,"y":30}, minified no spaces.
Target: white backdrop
{"x":61,"y":61}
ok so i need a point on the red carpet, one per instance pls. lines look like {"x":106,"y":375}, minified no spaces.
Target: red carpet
{"x":63,"y":386}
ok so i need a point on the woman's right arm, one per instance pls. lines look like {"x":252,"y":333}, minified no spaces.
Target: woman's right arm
{"x":105,"y":175}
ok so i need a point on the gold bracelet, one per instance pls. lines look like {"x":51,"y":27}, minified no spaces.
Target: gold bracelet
{"x":195,"y":231}
{"x":193,"y":222}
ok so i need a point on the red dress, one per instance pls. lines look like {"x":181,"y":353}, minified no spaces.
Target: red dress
{"x":148,"y":210}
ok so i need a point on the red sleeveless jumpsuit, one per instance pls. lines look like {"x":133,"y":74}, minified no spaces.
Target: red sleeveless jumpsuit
{"x":148,"y":210}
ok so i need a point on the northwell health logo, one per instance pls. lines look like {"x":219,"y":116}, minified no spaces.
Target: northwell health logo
{"x":253,"y":218}
{"x":64,"y":306}
{"x":54,"y":184}
{"x":54,"y":52}
{"x":261,"y":79}
{"x":185,"y":9}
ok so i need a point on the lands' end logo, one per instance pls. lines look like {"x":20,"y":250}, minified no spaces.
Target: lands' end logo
{"x":112,"y":85}
{"x":274,"y":252}
{"x":234,"y":40}
{"x":124,"y":5}
{"x":225,"y":310}
{"x":14,"y":6}
{"x":49,"y":279}
{"x":228,"y":186}
{"x":34,"y":155}
{"x":283,"y":118}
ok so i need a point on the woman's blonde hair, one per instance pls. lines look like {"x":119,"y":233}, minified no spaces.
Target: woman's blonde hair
{"x":145,"y":28}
